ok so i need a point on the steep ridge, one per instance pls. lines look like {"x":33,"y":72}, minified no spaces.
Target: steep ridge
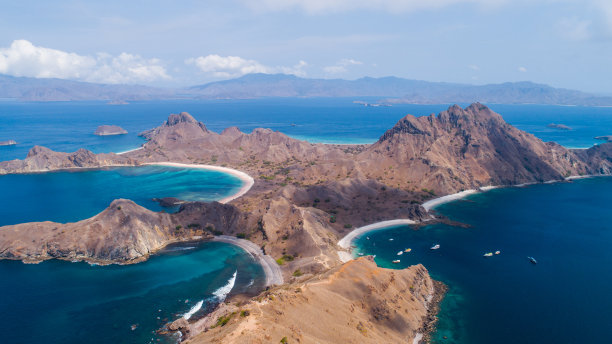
{"x":466,"y":148}
{"x":355,"y":303}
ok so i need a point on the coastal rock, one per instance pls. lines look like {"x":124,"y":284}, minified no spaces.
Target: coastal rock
{"x":168,"y":201}
{"x":107,"y":130}
{"x":357,"y":302}
{"x":179,"y":325}
{"x":559,"y":126}
{"x":8,"y":143}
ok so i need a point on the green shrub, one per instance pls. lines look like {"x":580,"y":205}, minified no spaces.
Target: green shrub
{"x":245,"y":313}
{"x":348,"y":225}
{"x":178,"y":228}
{"x":297,"y":273}
{"x":284,"y":340}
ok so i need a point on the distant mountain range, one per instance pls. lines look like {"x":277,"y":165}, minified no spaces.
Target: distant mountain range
{"x":391,"y":90}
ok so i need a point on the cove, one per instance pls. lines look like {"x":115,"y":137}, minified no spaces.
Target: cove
{"x":73,"y":195}
{"x":63,"y":302}
{"x":564,"y":298}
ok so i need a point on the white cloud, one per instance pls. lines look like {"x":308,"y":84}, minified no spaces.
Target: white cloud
{"x":522,"y":69}
{"x":474,"y":67}
{"x":341,"y":66}
{"x":393,"y":6}
{"x":235,"y":66}
{"x":575,"y":29}
{"x":23,"y":58}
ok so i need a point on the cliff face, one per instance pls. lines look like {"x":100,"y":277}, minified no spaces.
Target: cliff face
{"x":357,"y":302}
{"x":123,"y":233}
{"x":40,"y":159}
{"x":466,"y":148}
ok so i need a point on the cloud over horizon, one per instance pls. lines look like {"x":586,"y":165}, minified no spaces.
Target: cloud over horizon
{"x":341,"y":66}
{"x":22,"y":58}
{"x":235,"y":66}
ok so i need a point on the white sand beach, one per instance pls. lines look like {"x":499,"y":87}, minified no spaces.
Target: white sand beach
{"x":131,"y":150}
{"x":346,"y":242}
{"x":247,"y":180}
{"x":432,"y":203}
{"x":269,"y":265}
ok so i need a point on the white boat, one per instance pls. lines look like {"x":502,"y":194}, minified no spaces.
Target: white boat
{"x":435,"y":247}
{"x":400,"y":253}
{"x":391,"y":239}
{"x":497,"y":252}
{"x":489,"y":254}
{"x":396,"y":261}
{"x":361,"y":254}
{"x":407,"y":250}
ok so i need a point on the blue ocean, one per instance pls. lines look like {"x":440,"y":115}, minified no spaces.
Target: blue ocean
{"x":500,"y":299}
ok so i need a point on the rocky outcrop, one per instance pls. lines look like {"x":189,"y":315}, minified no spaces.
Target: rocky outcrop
{"x":8,"y":143}
{"x":123,"y":233}
{"x":41,"y":159}
{"x":106,"y":130}
{"x":357,"y":302}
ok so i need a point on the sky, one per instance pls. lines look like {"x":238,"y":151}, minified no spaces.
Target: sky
{"x":563,"y":43}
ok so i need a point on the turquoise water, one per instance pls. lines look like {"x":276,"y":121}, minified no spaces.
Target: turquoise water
{"x":74,"y":195}
{"x":565,"y":298}
{"x":61,"y":302}
{"x":68,"y":126}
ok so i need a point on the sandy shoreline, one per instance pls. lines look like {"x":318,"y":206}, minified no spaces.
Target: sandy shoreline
{"x":247,"y":180}
{"x":269,"y":265}
{"x":131,"y":150}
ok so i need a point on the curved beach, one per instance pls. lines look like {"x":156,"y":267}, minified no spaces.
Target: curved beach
{"x":347,"y":240}
{"x":247,"y":180}
{"x":269,"y":265}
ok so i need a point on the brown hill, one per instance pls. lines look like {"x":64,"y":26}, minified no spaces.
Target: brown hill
{"x":357,"y":302}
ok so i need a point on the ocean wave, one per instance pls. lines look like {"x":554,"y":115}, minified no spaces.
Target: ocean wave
{"x":222,"y":292}
{"x":193,"y":310}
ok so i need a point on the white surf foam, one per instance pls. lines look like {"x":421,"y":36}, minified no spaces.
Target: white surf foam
{"x":222,"y":292}
{"x":193,"y":310}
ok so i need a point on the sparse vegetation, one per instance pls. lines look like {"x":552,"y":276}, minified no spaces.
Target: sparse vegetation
{"x":285,"y":258}
{"x":223,"y":320}
{"x":284,"y":340}
{"x":245,"y":313}
{"x":241,"y":235}
{"x":348,"y":225}
{"x":178,"y":228}
{"x":297,"y":273}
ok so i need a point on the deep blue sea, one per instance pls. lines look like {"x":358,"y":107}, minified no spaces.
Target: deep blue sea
{"x":564,"y":298}
{"x":501,"y":299}
{"x":61,"y":302}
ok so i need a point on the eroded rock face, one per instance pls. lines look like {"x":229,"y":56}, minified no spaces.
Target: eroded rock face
{"x":357,"y":302}
{"x":108,"y":130}
{"x":466,"y":148}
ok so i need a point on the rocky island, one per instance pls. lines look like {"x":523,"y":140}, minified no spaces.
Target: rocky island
{"x":8,"y":143}
{"x":306,"y":197}
{"x":558,"y":126}
{"x":607,"y":138}
{"x":107,"y":130}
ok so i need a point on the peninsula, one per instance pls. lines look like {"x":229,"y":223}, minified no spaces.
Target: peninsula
{"x":304,"y":199}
